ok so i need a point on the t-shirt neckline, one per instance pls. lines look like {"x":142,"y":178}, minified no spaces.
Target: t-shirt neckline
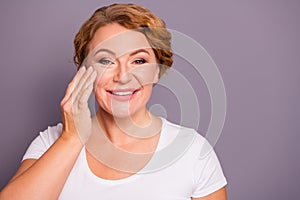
{"x":131,"y":177}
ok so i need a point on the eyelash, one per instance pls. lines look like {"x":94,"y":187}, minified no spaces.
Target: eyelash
{"x":106,"y":61}
{"x":139,"y":61}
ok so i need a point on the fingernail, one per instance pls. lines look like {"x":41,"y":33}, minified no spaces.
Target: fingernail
{"x":90,"y":69}
{"x":82,"y":69}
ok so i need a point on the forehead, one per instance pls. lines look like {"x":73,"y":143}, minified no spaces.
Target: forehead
{"x":118,"y":39}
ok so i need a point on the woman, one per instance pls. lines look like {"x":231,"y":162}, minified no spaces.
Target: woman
{"x":116,"y":153}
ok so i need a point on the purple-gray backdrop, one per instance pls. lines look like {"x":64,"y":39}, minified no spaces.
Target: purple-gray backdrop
{"x":254,"y":43}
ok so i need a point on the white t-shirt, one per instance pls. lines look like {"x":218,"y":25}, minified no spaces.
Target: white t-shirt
{"x":175,"y":172}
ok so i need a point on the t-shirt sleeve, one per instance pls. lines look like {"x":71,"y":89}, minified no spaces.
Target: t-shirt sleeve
{"x":209,"y":175}
{"x":43,"y":142}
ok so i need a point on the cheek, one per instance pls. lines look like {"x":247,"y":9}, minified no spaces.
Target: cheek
{"x":99,"y":84}
{"x":146,"y":94}
{"x":103,"y":77}
{"x":146,"y":74}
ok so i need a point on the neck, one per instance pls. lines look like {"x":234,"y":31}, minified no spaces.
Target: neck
{"x":131,"y":129}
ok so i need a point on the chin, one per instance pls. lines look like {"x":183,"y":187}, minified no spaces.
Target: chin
{"x":123,"y":113}
{"x":119,"y":110}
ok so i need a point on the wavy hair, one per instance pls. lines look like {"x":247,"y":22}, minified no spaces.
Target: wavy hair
{"x":130,"y":16}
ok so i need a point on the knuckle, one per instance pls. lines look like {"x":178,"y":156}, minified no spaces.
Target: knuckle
{"x":67,"y":107}
{"x":70,"y":84}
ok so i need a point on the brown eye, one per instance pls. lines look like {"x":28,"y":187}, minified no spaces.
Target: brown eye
{"x":139,"y":61}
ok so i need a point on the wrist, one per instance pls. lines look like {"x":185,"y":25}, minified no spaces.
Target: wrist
{"x":71,"y":139}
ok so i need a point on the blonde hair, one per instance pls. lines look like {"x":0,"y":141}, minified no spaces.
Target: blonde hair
{"x":130,"y":16}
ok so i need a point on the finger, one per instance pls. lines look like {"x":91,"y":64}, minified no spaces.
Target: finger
{"x":90,"y":80}
{"x":85,"y":93}
{"x":81,"y":83}
{"x":85,"y":96}
{"x":73,"y":84}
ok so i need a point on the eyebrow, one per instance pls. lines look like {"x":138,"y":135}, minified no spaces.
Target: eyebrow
{"x":105,"y":50}
{"x":131,"y":54}
{"x":139,"y":51}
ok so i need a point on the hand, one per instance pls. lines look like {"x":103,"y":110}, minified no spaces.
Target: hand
{"x":76,"y":115}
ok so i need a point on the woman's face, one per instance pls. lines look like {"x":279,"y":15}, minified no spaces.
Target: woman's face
{"x":126,"y":70}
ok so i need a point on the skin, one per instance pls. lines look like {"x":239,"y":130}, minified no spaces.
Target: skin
{"x":61,"y":156}
{"x":78,"y":126}
{"x":120,"y":69}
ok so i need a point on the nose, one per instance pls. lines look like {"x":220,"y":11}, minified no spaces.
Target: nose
{"x":122,"y":74}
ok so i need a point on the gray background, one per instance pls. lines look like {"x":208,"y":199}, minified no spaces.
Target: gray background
{"x":254,"y":43}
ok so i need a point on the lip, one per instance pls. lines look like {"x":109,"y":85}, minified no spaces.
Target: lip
{"x":123,"y":97}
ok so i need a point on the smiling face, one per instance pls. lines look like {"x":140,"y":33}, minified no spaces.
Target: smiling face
{"x":126,"y":70}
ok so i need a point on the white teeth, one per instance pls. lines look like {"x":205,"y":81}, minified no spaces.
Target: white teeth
{"x":123,"y":93}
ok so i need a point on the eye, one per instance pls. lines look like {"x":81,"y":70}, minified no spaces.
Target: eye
{"x":139,"y":61}
{"x":106,"y":61}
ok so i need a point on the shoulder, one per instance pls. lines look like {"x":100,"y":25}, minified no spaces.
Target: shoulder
{"x":43,"y":142}
{"x":184,"y":143}
{"x":187,"y":142}
{"x":51,"y":134}
{"x":199,"y":160}
{"x":189,"y":136}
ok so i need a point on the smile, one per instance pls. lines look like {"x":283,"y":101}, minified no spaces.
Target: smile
{"x":123,"y":94}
